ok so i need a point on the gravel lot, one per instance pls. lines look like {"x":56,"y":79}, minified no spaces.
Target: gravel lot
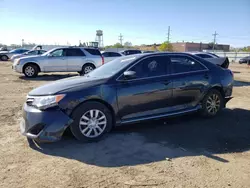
{"x":177,"y":152}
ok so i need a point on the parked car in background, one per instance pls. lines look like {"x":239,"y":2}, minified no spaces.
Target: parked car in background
{"x":221,"y":61}
{"x":109,"y":56}
{"x":126,"y":90}
{"x":4,"y":56}
{"x":245,"y":60}
{"x":4,"y":49}
{"x":130,"y":52}
{"x":148,"y":51}
{"x":65,"y":59}
{"x":29,"y":53}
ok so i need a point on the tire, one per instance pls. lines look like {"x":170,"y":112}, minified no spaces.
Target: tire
{"x":31,"y":71}
{"x":87,"y":68}
{"x":212,"y":103}
{"x":87,"y":129}
{"x":4,"y":58}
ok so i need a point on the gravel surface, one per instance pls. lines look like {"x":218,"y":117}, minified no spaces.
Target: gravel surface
{"x":177,"y":152}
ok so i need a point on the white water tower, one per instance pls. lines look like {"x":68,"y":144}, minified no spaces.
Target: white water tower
{"x":99,"y":38}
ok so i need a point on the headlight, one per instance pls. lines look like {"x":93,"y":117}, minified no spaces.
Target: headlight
{"x":16,"y":61}
{"x":45,"y":102}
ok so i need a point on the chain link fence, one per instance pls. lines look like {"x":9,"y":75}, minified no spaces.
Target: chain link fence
{"x":233,"y":56}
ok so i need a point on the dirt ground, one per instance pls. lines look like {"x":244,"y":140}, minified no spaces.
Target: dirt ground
{"x":177,"y":152}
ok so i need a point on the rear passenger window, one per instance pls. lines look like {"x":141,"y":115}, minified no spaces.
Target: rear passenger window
{"x":74,"y":52}
{"x":93,"y":51}
{"x":183,"y":64}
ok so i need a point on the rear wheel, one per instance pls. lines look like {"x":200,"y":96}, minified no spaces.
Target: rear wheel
{"x":212,"y":103}
{"x":91,"y":121}
{"x":87,"y":69}
{"x":4,"y":58}
{"x":31,"y":71}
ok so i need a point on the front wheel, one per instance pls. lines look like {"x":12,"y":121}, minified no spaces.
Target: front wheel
{"x":30,"y":71}
{"x":91,"y":121}
{"x":212,"y":103}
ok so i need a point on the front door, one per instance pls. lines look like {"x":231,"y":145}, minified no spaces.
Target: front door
{"x":56,"y":61}
{"x":190,"y":79}
{"x":148,"y":94}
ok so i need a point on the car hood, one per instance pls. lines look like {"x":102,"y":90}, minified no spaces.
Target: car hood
{"x":32,"y":57}
{"x":65,"y":84}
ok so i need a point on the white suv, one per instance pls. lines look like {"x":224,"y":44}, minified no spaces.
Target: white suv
{"x":65,"y":59}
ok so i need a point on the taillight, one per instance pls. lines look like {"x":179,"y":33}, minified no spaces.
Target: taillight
{"x":102,"y":60}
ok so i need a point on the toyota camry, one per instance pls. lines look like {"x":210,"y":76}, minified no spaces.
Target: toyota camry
{"x":128,"y":89}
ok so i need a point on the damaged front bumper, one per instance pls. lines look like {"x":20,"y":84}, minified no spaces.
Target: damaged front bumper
{"x":45,"y":126}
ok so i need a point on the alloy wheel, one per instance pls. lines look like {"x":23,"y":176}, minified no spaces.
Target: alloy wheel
{"x":213,"y":104}
{"x":88,"y":69}
{"x":93,"y":123}
{"x":29,"y":71}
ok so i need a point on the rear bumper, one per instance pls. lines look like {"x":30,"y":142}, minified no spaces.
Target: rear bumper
{"x":45,"y":126}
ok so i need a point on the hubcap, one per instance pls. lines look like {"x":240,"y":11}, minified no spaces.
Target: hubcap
{"x":213,"y":104}
{"x":93,"y":123}
{"x":88,"y":69}
{"x":29,"y":71}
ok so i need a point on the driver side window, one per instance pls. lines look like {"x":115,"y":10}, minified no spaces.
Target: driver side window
{"x":57,"y":53}
{"x":151,"y":67}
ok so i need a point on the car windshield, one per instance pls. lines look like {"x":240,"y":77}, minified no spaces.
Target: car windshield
{"x":111,"y":68}
{"x":48,"y":52}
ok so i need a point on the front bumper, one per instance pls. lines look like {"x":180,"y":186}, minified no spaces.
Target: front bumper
{"x":45,"y":126}
{"x":17,"y":68}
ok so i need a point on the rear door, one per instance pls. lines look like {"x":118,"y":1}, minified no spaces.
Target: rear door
{"x":190,"y":79}
{"x":148,"y":94}
{"x":75,"y":59}
{"x":56,"y":61}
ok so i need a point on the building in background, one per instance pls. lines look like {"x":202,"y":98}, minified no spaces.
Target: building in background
{"x":189,"y":46}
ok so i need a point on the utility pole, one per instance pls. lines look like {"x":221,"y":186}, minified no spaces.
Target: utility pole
{"x":168,"y":34}
{"x":22,"y":42}
{"x":168,"y":38}
{"x":120,"y":38}
{"x":215,"y":34}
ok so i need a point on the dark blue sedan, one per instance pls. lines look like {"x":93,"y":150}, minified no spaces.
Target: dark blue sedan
{"x":128,"y":89}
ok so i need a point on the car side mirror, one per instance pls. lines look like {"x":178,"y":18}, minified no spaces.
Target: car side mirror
{"x":129,"y":75}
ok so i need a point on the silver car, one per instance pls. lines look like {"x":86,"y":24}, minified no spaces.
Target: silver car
{"x":5,"y":55}
{"x":65,"y":59}
{"x":29,"y":53}
{"x":221,"y":61}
